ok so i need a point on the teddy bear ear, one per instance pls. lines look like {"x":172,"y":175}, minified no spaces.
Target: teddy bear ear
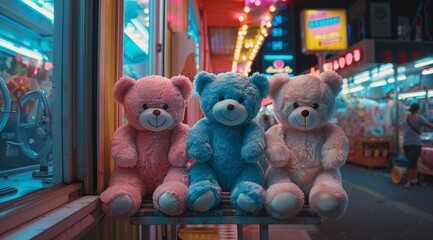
{"x":201,"y":80}
{"x":184,"y":85}
{"x":262,"y":83}
{"x":276,"y":81}
{"x":333,"y":79}
{"x":121,"y":87}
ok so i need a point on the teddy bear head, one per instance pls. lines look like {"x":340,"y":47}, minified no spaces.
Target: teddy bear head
{"x":153,"y":103}
{"x":305,"y":102}
{"x":230,"y":98}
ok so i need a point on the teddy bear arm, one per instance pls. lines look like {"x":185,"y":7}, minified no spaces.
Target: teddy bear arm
{"x":336,"y":147}
{"x":123,"y":148}
{"x":277,"y":153}
{"x":253,"y":143}
{"x":198,"y":142}
{"x":178,"y":154}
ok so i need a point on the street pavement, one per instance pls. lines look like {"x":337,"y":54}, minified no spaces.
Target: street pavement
{"x":379,"y":209}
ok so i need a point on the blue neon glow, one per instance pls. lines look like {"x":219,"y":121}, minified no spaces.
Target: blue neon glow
{"x":324,"y":22}
{"x":278,"y":57}
{"x":21,"y":50}
{"x":278,"y":19}
{"x":42,"y":8}
{"x":279,"y":32}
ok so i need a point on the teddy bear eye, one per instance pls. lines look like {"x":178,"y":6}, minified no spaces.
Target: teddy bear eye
{"x":165,"y":106}
{"x":145,"y":106}
{"x":315,"y":105}
{"x":221,"y":98}
{"x":240,"y":100}
{"x":295,"y":105}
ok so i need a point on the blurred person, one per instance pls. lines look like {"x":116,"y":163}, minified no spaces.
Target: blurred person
{"x":412,"y":143}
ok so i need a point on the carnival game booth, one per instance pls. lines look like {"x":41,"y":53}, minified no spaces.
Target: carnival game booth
{"x":381,"y":77}
{"x":368,"y":125}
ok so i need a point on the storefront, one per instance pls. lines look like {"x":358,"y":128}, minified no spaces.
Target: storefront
{"x":381,"y":77}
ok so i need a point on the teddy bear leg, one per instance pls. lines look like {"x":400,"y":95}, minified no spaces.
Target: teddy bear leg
{"x":327,"y":196}
{"x":248,"y":193}
{"x":170,"y":196}
{"x":204,"y":191}
{"x":283,"y":199}
{"x":124,"y":195}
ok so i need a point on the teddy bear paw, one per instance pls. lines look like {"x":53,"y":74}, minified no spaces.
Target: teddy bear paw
{"x":246,"y":203}
{"x":284,"y":205}
{"x":326,"y":204}
{"x":168,"y":203}
{"x":204,"y":202}
{"x":121,"y":205}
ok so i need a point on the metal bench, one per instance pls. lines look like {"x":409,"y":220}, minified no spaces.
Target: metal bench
{"x":223,"y":214}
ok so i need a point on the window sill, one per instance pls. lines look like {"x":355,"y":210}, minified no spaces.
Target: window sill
{"x":64,"y":222}
{"x":48,"y":213}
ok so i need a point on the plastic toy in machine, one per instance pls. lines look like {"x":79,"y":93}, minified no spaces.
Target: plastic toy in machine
{"x":36,"y":124}
{"x":6,"y":108}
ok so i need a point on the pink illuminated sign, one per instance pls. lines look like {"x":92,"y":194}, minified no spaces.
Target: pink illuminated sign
{"x":341,"y":62}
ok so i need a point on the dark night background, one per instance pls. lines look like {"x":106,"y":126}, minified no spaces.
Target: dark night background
{"x":399,"y":8}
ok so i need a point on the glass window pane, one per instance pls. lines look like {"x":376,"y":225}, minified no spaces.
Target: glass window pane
{"x":26,"y":68}
{"x":136,"y":38}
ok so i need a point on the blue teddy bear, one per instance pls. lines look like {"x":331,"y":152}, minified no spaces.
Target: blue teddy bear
{"x":227,"y":144}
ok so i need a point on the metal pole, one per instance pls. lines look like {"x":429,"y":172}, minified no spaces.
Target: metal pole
{"x":397,"y":114}
{"x":321,"y":59}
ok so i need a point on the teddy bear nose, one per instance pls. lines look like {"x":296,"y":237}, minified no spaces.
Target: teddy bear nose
{"x":305,"y":113}
{"x":230,"y":107}
{"x":156,"y":112}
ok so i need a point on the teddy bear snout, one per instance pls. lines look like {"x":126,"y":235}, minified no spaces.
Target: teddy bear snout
{"x":230,"y":107}
{"x":305,"y":113}
{"x":156,"y":112}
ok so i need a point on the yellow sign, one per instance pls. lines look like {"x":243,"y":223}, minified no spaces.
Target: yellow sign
{"x":323,"y":30}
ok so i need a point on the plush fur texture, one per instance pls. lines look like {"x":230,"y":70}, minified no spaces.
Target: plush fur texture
{"x":149,"y":151}
{"x":305,"y":150}
{"x":227,"y":144}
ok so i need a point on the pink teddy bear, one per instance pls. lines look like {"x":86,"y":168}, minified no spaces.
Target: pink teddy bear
{"x":149,"y":151}
{"x":305,"y":150}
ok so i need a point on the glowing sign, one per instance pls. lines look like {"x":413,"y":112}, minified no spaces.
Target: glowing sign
{"x":323,"y":30}
{"x":341,"y":62}
{"x":278,"y":19}
{"x":278,"y":32}
{"x":279,"y":66}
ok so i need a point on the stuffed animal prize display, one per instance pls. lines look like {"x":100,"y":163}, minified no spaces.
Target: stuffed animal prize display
{"x":149,"y":151}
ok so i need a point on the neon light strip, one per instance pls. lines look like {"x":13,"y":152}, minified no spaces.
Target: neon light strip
{"x":137,"y":38}
{"x":412,"y":94}
{"x":42,"y":10}
{"x":278,"y":57}
{"x":383,"y":73}
{"x":361,"y":79}
{"x":356,"y":89}
{"x":234,"y":66}
{"x":23,"y":51}
{"x":140,"y":28}
{"x":423,"y":63}
{"x":401,"y":77}
{"x":377,"y":84}
{"x":427,"y":72}
{"x":361,"y":75}
{"x":387,"y":66}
